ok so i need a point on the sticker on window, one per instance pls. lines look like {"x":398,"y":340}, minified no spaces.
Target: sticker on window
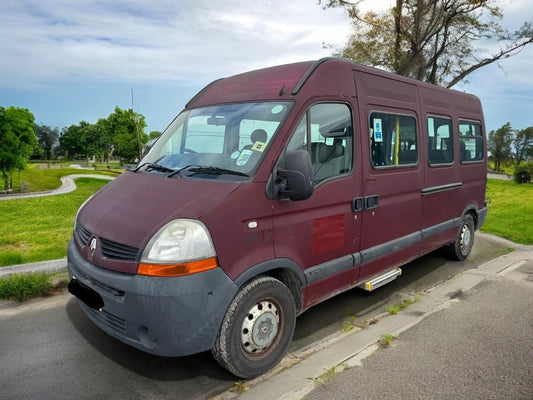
{"x":259,"y":146}
{"x":378,"y":132}
{"x":244,"y":157}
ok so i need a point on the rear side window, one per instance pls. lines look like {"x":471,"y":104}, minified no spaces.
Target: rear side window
{"x":440,"y":140}
{"x":392,"y":140}
{"x":470,"y":141}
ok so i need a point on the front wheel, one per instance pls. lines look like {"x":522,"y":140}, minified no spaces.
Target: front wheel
{"x":256,"y":329}
{"x":461,"y":247}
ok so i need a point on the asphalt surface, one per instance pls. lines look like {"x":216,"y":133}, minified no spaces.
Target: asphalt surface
{"x":50,"y":349}
{"x":478,"y":348}
{"x":467,"y":338}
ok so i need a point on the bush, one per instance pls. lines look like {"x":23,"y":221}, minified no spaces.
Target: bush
{"x":21,"y":287}
{"x":522,"y":175}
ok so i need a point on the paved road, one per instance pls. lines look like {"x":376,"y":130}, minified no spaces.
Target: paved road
{"x":479,"y":348}
{"x":50,"y":350}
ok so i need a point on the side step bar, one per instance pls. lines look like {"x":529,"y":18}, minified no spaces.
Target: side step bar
{"x":381,"y":280}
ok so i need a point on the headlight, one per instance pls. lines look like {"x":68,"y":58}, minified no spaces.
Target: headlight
{"x":181,"y":247}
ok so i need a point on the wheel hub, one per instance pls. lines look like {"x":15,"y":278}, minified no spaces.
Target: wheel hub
{"x":465,"y":239}
{"x":260,"y":327}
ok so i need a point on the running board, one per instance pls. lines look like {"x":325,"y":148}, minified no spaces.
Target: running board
{"x":381,"y":280}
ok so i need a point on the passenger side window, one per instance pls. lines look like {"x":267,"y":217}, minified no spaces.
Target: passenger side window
{"x":326,"y":132}
{"x":440,"y":141}
{"x":471,"y":141}
{"x":392,"y":140}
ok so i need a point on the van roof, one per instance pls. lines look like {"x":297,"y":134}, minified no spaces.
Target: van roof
{"x":284,"y":82}
{"x":264,"y":83}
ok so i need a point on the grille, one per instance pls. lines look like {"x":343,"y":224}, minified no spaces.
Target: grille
{"x":118,"y":251}
{"x":110,"y":249}
{"x":83,"y":235}
{"x":111,"y":321}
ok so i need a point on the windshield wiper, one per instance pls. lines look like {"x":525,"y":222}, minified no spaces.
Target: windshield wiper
{"x":216,"y":171}
{"x":158,"y":167}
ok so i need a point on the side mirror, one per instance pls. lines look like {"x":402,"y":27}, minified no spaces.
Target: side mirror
{"x":296,"y":181}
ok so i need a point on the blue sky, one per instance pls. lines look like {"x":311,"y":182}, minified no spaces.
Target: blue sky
{"x":68,"y":61}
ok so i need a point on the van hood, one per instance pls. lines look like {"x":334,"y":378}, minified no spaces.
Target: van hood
{"x":132,"y":208}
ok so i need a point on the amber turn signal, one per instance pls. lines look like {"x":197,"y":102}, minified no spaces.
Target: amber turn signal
{"x":187,"y":268}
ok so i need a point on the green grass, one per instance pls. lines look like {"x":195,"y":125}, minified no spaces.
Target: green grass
{"x":38,"y":229}
{"x":21,"y":287}
{"x":41,"y":176}
{"x":386,"y":340}
{"x":510,"y":211}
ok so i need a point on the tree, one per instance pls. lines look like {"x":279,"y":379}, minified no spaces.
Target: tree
{"x":430,"y":40}
{"x":499,"y":145}
{"x":523,"y":144}
{"x":17,"y":140}
{"x":47,"y":138}
{"x":73,"y":141}
{"x":126,"y":130}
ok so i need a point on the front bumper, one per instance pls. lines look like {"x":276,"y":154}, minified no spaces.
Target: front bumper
{"x":174,"y":316}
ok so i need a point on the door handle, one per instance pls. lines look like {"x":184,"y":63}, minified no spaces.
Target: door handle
{"x":365,"y":203}
{"x":371,"y":202}
{"x":358,"y":204}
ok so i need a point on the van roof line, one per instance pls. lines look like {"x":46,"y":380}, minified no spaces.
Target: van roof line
{"x":201,"y":92}
{"x":310,"y":71}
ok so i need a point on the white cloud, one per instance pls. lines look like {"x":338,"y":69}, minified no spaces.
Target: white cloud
{"x":59,"y":48}
{"x":57,"y":41}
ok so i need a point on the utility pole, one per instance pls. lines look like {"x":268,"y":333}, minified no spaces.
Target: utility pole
{"x":136,"y":121}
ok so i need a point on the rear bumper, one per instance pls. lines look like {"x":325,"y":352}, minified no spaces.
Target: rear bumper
{"x":174,"y":316}
{"x":481,"y":217}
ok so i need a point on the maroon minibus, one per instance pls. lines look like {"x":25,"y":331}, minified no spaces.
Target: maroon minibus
{"x":272,"y":191}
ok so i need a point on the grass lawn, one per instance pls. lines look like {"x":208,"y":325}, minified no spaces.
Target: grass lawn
{"x":38,"y":229}
{"x":38,"y":177}
{"x":510,"y":211}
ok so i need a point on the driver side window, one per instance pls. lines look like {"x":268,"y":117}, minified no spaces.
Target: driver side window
{"x":326,"y":132}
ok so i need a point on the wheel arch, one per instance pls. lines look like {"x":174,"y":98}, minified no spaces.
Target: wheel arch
{"x":473,"y":210}
{"x":282,"y":269}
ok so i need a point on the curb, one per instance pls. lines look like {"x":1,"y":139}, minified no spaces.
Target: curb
{"x":52,"y":266}
{"x":299,"y":373}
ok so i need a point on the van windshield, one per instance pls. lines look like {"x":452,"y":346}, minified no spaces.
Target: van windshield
{"x":226,"y":141}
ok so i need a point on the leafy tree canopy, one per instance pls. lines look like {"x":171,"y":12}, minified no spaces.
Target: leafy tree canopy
{"x":431,"y":40}
{"x":17,"y":140}
{"x":121,"y":135}
{"x":47,"y":139}
{"x":126,"y":128}
{"x":523,"y":144}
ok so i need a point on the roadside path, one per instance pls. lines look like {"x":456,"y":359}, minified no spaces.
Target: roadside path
{"x":67,"y":185}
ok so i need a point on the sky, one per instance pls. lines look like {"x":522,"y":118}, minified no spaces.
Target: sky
{"x":70,"y":61}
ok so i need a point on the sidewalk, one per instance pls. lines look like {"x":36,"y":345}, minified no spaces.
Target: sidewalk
{"x":468,"y":338}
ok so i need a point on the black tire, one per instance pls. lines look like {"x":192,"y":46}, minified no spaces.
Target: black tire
{"x":462,"y":245}
{"x":257,"y":328}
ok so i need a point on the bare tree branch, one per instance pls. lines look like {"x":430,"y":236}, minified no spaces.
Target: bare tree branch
{"x":502,"y":54}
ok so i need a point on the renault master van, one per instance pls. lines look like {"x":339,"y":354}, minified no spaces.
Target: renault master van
{"x":272,"y":191}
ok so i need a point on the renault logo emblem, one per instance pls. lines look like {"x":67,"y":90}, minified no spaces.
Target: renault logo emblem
{"x":92,"y":246}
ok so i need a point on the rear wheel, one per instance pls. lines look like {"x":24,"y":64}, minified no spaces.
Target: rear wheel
{"x":461,"y":247}
{"x":256,"y":329}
